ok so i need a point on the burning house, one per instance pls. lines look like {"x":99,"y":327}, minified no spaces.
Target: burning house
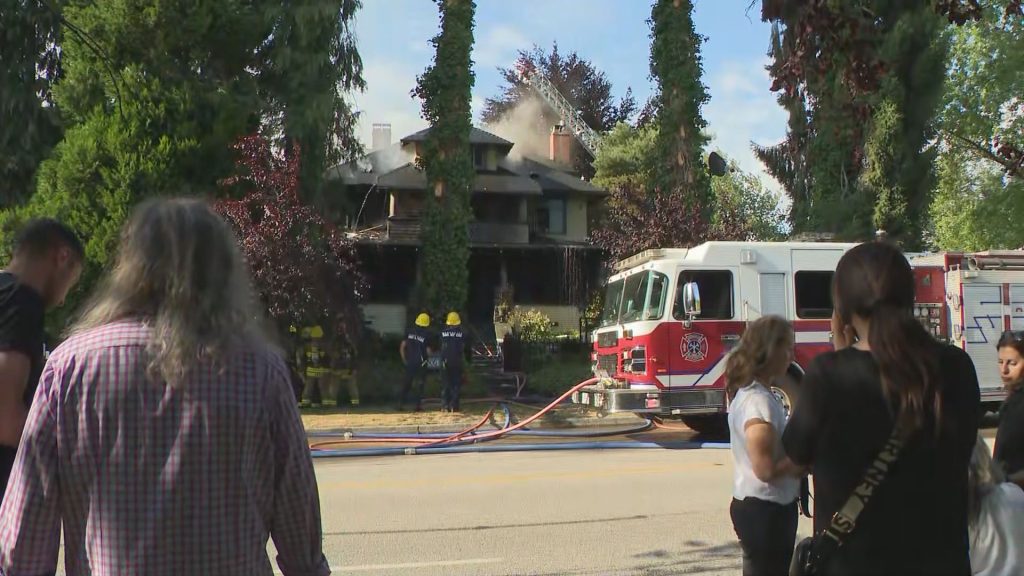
{"x":529,"y":233}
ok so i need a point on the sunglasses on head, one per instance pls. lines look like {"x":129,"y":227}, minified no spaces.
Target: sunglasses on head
{"x":1017,"y":335}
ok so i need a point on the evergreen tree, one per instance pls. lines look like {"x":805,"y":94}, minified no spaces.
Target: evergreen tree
{"x":676,"y":68}
{"x":29,"y":65}
{"x":446,"y":91}
{"x":154,"y":94}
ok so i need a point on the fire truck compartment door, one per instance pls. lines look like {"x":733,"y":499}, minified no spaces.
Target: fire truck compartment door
{"x":982,"y":326}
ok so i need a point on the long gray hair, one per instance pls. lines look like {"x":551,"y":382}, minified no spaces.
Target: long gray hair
{"x":983,"y":475}
{"x":180,"y":271}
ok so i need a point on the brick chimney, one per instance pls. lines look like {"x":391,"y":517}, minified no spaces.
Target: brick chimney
{"x":381,"y":136}
{"x":560,"y":150}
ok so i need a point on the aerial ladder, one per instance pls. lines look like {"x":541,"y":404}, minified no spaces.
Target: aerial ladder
{"x":587,"y":136}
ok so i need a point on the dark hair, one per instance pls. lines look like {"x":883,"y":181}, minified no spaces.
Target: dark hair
{"x":41,"y":235}
{"x":875,"y":281}
{"x":1012,"y":339}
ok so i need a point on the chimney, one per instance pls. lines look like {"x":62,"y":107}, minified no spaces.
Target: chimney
{"x":381,"y":136}
{"x":560,"y":150}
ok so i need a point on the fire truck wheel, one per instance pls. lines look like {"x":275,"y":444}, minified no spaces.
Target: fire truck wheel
{"x":712,"y":425}
{"x":787,"y":390}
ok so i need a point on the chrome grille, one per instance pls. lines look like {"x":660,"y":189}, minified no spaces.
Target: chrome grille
{"x":608,"y":363}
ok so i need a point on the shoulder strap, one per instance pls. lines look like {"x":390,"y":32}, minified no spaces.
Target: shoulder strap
{"x":845,"y":519}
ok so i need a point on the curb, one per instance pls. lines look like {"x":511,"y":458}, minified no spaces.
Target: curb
{"x":608,"y":421}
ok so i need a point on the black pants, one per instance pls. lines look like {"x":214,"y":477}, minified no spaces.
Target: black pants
{"x":452,"y":386}
{"x":417,"y":374}
{"x":7,"y":455}
{"x":767,"y":533}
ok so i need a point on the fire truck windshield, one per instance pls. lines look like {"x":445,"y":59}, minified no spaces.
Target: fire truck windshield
{"x":641,"y":296}
{"x":612,"y":299}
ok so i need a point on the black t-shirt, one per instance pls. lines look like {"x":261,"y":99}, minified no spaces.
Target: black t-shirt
{"x":1009,"y":450}
{"x":416,"y":346}
{"x":453,"y":345}
{"x":916,"y":521}
{"x":21,"y":326}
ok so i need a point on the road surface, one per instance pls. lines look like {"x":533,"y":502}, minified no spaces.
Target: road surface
{"x":621,"y":512}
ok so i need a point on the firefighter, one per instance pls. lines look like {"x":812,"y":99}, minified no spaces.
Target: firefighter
{"x":414,"y":351}
{"x":453,"y":349}
{"x":316,"y":364}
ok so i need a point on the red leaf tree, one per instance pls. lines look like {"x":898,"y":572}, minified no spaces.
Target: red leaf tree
{"x":637,"y":219}
{"x":305,"y":270}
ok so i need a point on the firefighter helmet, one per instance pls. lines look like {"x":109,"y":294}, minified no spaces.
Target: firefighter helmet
{"x":316,"y":332}
{"x":453,"y":319}
{"x":423,"y":320}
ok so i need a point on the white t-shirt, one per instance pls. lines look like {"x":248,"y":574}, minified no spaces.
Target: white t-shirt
{"x":997,"y":540}
{"x":756,"y":402}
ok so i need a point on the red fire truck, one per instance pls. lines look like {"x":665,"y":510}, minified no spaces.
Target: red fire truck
{"x":671,"y":316}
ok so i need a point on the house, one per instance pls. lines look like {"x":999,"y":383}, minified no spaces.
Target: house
{"x":528,"y":235}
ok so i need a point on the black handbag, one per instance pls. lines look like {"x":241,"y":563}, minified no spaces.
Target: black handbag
{"x":812,"y":554}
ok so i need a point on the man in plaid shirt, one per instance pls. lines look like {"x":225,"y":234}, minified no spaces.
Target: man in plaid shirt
{"x":164,"y":433}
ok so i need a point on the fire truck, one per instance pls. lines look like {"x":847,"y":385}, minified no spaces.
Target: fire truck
{"x":671,"y":317}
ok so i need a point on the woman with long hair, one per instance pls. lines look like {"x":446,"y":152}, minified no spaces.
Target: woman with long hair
{"x":765,"y":481}
{"x":888,"y":378}
{"x":1009,"y":448}
{"x":995,"y":509}
{"x":165,"y":436}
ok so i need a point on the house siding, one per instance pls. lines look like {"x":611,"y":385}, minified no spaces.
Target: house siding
{"x":576,"y":221}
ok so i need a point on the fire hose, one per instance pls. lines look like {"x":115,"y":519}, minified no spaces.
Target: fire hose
{"x":469,"y":440}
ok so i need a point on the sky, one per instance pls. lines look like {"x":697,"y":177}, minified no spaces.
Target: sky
{"x":394,"y":42}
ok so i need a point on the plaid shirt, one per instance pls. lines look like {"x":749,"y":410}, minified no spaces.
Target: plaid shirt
{"x":150,"y":479}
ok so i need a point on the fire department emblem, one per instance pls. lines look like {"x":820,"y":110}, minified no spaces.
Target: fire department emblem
{"x":694,"y":347}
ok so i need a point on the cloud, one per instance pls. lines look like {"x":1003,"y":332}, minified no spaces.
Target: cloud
{"x":497,"y":45}
{"x":743,"y":109}
{"x":388,"y":99}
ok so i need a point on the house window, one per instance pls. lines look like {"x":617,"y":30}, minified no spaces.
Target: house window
{"x":813,"y":294}
{"x":480,"y":157}
{"x":554,"y":208}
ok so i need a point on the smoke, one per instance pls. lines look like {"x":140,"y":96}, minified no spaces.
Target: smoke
{"x":527,"y":127}
{"x":386,"y":159}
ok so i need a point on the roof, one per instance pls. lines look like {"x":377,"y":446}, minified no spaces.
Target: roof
{"x":409,"y":177}
{"x":549,"y":176}
{"x":476,"y":136}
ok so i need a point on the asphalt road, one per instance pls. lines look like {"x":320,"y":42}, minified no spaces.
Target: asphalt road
{"x":594,"y":512}
{"x":615,"y":512}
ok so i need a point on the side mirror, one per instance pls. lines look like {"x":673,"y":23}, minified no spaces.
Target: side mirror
{"x":691,"y":300}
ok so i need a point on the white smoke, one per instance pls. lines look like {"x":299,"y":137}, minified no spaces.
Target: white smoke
{"x":527,"y":127}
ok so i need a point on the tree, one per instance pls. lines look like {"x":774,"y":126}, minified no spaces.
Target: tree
{"x":29,"y":66}
{"x":979,"y":199}
{"x":976,"y":207}
{"x":308,"y":63}
{"x":635,"y":219}
{"x":154,"y":94}
{"x":837,"y":64}
{"x":446,"y":91}
{"x":676,"y":68}
{"x":305,"y":270}
{"x":583,"y":85}
{"x":983,"y":110}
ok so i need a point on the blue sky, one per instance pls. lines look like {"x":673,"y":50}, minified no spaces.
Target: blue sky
{"x":394,"y":39}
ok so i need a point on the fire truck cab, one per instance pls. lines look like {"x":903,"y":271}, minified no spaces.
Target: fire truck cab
{"x":671,"y":316}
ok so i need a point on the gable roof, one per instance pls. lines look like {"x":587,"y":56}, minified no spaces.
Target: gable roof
{"x":476,"y":136}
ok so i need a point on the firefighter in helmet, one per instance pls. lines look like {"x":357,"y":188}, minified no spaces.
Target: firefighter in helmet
{"x":453,"y":349}
{"x":317,"y":366}
{"x":414,"y":350}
